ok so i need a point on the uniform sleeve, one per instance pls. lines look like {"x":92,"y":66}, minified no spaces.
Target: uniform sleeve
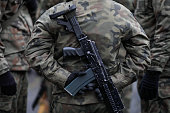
{"x":137,"y":58}
{"x":39,"y":53}
{"x":158,"y":11}
{"x":3,"y":63}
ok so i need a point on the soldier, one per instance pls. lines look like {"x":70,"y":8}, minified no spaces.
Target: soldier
{"x":154,"y":88}
{"x":7,"y":83}
{"x":109,"y":24}
{"x":14,"y":35}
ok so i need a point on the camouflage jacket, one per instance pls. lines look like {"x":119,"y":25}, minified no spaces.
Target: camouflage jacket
{"x":7,"y":9}
{"x":154,"y":16}
{"x":44,"y":50}
{"x":14,"y":37}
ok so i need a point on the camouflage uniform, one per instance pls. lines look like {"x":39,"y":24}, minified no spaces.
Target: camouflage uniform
{"x":14,"y":36}
{"x":154,"y":16}
{"x":7,"y":9}
{"x":44,"y":50}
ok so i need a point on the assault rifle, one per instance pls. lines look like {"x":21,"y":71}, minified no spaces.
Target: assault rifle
{"x":96,"y":69}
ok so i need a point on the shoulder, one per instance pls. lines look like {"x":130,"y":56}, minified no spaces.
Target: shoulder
{"x":44,"y":22}
{"x":125,"y":20}
{"x":55,"y":9}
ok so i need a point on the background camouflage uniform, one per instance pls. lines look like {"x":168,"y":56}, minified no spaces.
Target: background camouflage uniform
{"x":14,"y":37}
{"x":7,"y":9}
{"x":44,"y":50}
{"x":154,"y":16}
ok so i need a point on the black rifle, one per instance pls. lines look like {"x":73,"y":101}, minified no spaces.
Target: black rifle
{"x":96,"y":69}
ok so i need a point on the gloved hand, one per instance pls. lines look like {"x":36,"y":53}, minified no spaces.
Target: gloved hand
{"x":8,"y":84}
{"x":72,"y":76}
{"x":148,"y":88}
{"x":92,"y":87}
{"x":89,"y":87}
{"x":98,"y":94}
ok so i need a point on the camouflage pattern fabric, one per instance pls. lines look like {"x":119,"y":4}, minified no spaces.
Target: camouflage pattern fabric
{"x":126,"y":98}
{"x":7,"y":9}
{"x":44,"y":50}
{"x":127,"y":3}
{"x":154,"y":16}
{"x":43,"y":5}
{"x":5,"y":103}
{"x":127,"y":92}
{"x":20,"y":100}
{"x":90,"y":108}
{"x":14,"y":37}
{"x":156,"y":106}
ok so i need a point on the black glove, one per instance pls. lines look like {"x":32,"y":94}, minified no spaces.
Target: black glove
{"x":89,"y":87}
{"x":8,"y":84}
{"x":98,"y":94}
{"x":148,"y":88}
{"x":92,"y":87}
{"x":72,"y":76}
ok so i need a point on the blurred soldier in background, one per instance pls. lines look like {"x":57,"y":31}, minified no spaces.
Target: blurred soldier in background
{"x":44,"y":50}
{"x":7,"y":83}
{"x":154,"y":16}
{"x":14,"y":36}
